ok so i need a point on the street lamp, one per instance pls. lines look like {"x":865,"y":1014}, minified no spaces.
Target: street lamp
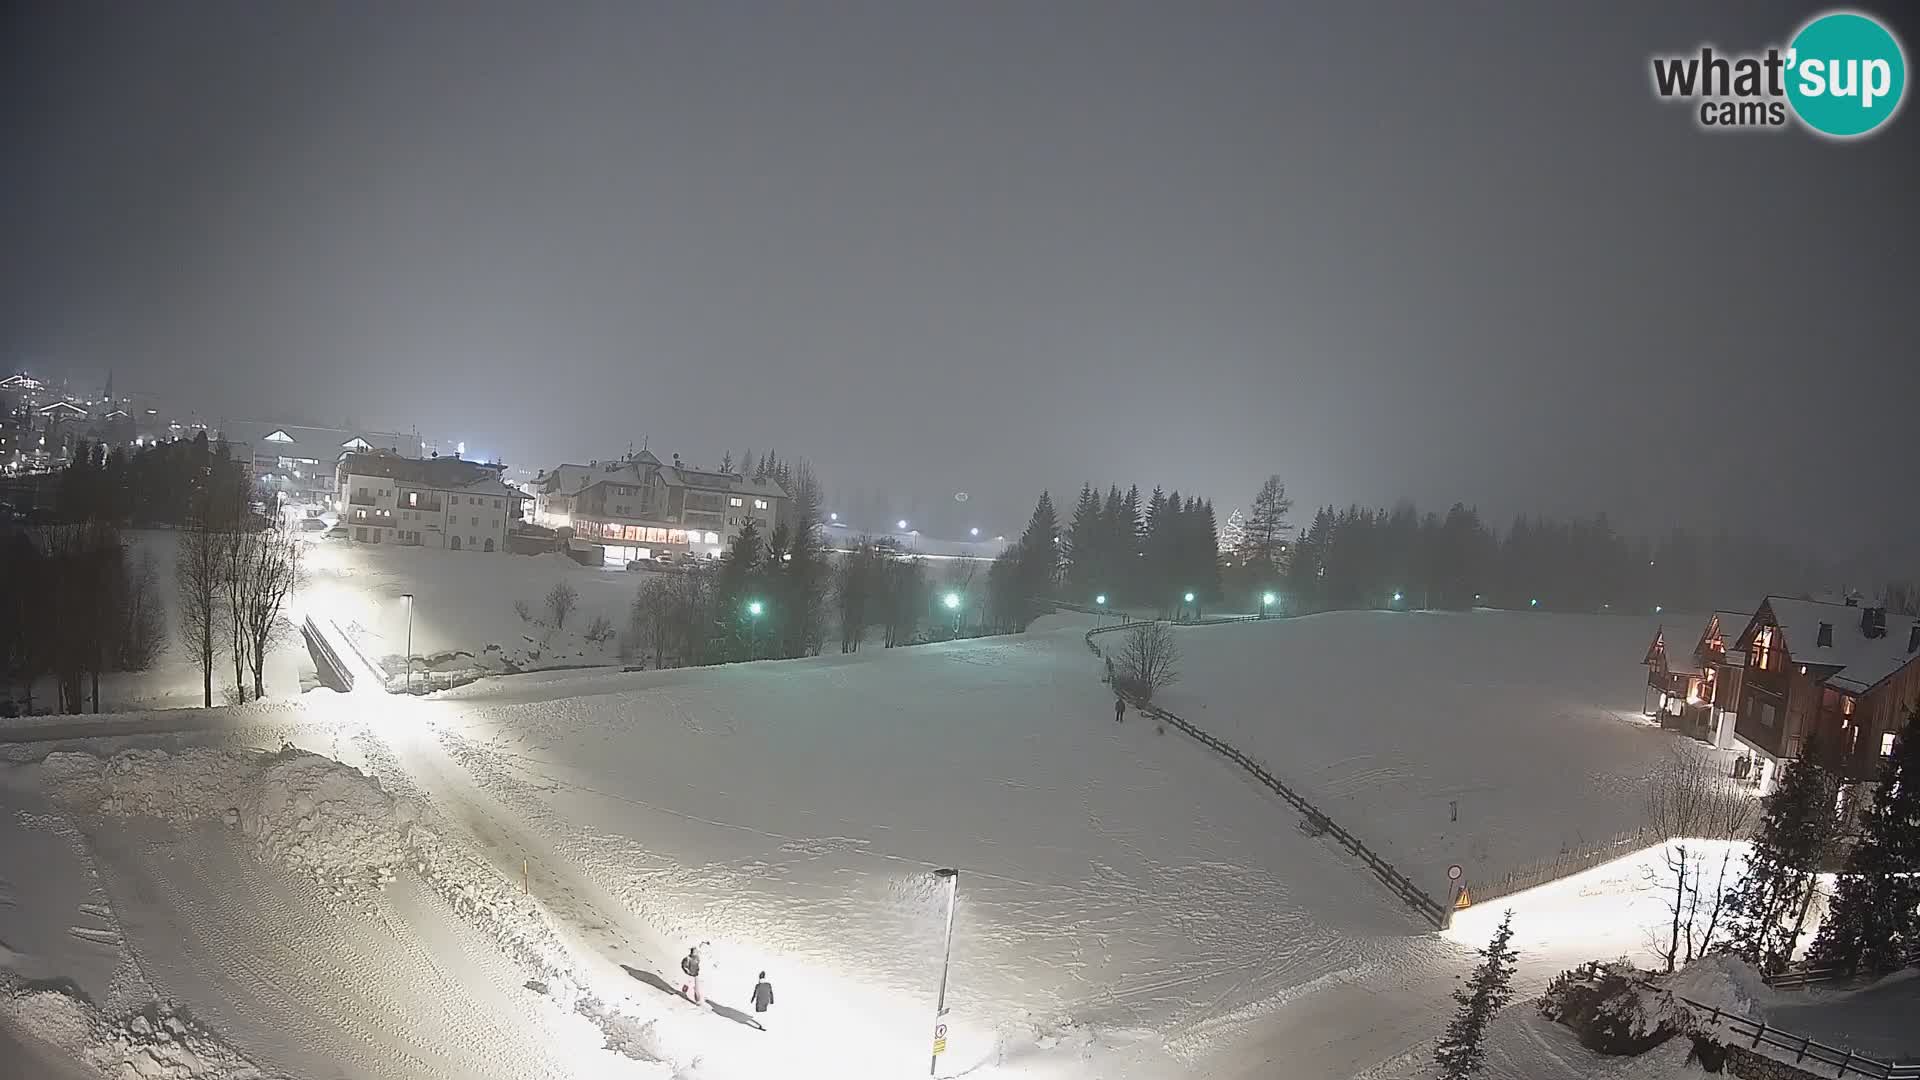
{"x":754,"y":608}
{"x":1266,"y":601}
{"x":1189,"y":598}
{"x":408,"y":597}
{"x":975,"y":531}
{"x":1535,"y":602}
{"x":952,"y":601}
{"x":902,"y":523}
{"x":1396,"y":598}
{"x":952,"y":880}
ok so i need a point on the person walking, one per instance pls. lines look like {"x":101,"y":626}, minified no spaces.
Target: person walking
{"x":762,"y":998}
{"x":1119,"y":710}
{"x":690,"y":967}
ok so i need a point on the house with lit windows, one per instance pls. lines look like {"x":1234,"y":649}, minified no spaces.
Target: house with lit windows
{"x":1847,"y":672}
{"x":637,"y":507}
{"x":1698,"y":693}
{"x":298,"y":464}
{"x":445,"y":503}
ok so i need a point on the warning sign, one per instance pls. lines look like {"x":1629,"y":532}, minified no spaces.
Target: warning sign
{"x":1463,"y":901}
{"x":939,"y":1039}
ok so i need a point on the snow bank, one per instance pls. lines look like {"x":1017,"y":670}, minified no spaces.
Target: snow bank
{"x":1721,"y":981}
{"x":311,"y":813}
{"x":155,"y":1043}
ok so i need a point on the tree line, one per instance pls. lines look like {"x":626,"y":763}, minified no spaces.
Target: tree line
{"x":75,"y":602}
{"x":165,"y":483}
{"x":1156,"y":550}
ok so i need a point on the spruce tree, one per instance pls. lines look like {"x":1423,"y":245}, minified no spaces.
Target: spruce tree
{"x":1462,"y":1050}
{"x":1039,"y":551}
{"x":1082,"y":546}
{"x":1206,"y":552}
{"x":1876,"y":905}
{"x":1767,"y":911}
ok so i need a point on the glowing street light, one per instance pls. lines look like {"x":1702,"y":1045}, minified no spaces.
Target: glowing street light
{"x":1533,"y":603}
{"x":951,"y":878}
{"x":754,"y":608}
{"x":952,"y":600}
{"x":831,"y":516}
{"x":1657,"y":609}
{"x":408,"y":597}
{"x":1101,"y":600}
{"x":1266,"y":601}
{"x":1189,"y":598}
{"x":1396,"y":598}
{"x":902,"y":523}
{"x":975,"y":531}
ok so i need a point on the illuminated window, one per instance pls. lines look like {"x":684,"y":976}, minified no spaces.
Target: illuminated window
{"x":1763,"y":649}
{"x":735,"y":501}
{"x":1886,"y":745}
{"x":759,"y":504}
{"x":413,"y":498}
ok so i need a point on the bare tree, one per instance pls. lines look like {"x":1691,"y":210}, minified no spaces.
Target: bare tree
{"x":236,"y":572}
{"x":1149,"y":659}
{"x":854,"y":584}
{"x":561,"y":600}
{"x":1690,"y":799}
{"x":599,"y":630}
{"x":143,"y":616}
{"x":272,"y":565}
{"x":197,"y":574}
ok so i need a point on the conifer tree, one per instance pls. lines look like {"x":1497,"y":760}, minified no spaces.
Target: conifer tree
{"x":1768,"y":909}
{"x":1876,"y":904}
{"x":1081,"y":546}
{"x":1462,"y":1050}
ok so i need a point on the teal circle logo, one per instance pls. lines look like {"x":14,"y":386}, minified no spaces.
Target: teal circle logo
{"x":1846,"y":74}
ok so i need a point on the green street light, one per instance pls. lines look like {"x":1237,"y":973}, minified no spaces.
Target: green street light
{"x":952,"y":600}
{"x":754,"y":608}
{"x":1101,"y":599}
{"x":1189,"y":598}
{"x":1266,"y":598}
{"x":1396,"y":598}
{"x":1533,"y":603}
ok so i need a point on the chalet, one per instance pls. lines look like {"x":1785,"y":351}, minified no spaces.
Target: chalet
{"x":638,"y":507}
{"x":447,"y":503}
{"x":1843,"y":671}
{"x":1698,"y":693}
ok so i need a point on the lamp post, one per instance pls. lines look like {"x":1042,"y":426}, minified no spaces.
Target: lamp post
{"x":408,"y":597}
{"x":754,"y":608}
{"x":952,"y":879}
{"x":952,"y":601}
{"x":1189,"y":600}
{"x":1266,"y":601}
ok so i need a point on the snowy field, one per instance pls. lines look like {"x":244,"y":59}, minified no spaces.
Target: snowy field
{"x":1529,"y":722}
{"x":1130,"y":906}
{"x":464,"y":618}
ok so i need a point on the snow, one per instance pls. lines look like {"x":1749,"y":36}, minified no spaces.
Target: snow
{"x":1529,"y":722}
{"x":498,"y":880}
{"x":463,"y":618}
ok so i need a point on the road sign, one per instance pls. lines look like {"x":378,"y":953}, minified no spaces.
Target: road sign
{"x":1464,"y":900}
{"x":939,"y":1039}
{"x":1454,"y":872}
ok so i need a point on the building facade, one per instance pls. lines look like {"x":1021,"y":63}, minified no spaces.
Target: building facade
{"x":637,"y":507}
{"x":1697,"y":694}
{"x":299,"y":465}
{"x":448,"y":504}
{"x":1845,"y":672}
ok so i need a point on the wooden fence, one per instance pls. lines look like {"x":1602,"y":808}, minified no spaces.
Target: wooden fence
{"x":1396,"y":882}
{"x":1796,"y":978}
{"x":1807,"y":1053}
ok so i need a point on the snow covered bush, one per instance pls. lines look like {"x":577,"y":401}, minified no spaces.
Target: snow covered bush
{"x":1611,"y":1009}
{"x":561,"y":600}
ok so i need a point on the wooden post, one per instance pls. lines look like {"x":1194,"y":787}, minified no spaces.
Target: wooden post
{"x":523,"y":877}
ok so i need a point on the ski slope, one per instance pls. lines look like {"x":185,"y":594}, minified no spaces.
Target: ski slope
{"x":1530,"y":723}
{"x":1130,"y":906}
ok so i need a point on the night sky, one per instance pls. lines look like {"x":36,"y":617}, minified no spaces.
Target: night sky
{"x":1442,"y":251}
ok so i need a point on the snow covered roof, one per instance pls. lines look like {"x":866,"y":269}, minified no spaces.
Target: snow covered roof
{"x":321,"y":444}
{"x":1863,"y":662}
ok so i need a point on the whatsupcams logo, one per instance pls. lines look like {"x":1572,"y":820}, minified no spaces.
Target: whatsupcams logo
{"x":1843,"y":75}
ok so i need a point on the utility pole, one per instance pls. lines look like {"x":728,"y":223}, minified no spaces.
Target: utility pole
{"x":952,"y":878}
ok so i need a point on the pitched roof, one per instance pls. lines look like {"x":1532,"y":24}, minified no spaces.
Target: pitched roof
{"x":1863,"y":661}
{"x":319,"y":443}
{"x":445,"y":473}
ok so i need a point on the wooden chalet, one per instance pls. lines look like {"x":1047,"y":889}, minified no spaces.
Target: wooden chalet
{"x":1845,"y":671}
{"x":1697,"y":694}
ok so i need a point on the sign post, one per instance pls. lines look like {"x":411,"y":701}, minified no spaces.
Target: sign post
{"x":1454,"y":889}
{"x":952,"y":878}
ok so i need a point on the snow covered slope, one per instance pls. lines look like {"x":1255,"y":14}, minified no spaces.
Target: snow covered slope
{"x":1529,"y":722}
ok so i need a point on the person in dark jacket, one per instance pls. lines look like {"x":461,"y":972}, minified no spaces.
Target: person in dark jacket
{"x":690,"y":967}
{"x":1119,"y":710}
{"x":762,"y":996}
